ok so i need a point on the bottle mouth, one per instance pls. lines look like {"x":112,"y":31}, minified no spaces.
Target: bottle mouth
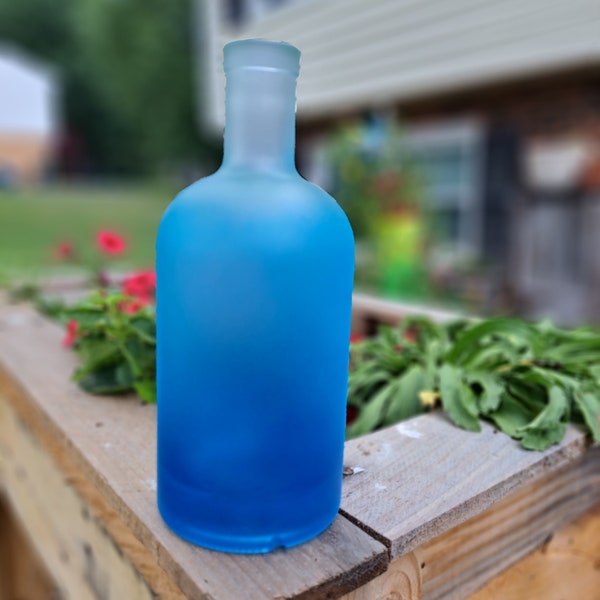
{"x":261,"y":54}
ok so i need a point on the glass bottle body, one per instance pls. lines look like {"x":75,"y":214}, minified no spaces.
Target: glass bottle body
{"x":254,"y":272}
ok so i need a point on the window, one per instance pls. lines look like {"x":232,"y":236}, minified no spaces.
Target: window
{"x":450,"y":159}
{"x":241,"y":12}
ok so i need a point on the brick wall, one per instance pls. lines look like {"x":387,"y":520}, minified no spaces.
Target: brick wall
{"x":567,"y":103}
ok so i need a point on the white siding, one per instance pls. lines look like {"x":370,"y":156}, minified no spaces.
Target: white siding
{"x":27,"y":96}
{"x":369,"y":53}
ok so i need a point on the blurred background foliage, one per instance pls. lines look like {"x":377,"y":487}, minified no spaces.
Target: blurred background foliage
{"x":35,"y":222}
{"x":373,"y":173}
{"x":127,"y":78}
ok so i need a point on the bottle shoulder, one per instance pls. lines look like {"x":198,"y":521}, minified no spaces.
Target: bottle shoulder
{"x":249,"y":197}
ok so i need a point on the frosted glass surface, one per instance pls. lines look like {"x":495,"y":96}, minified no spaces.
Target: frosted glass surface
{"x":254,"y":271}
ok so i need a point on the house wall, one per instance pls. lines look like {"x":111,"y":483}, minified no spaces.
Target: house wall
{"x":550,"y":253}
{"x":28,"y":117}
{"x":23,"y":158}
{"x":539,"y":230}
{"x":527,"y":72}
{"x":565,"y":102}
{"x":359,"y":55}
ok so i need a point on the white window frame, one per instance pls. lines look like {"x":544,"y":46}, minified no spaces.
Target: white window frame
{"x":467,"y":135}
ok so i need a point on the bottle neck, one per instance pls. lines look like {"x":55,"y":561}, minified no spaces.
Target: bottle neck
{"x":260,"y":115}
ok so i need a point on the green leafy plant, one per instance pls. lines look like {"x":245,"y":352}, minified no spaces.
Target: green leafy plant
{"x":529,"y":380}
{"x":115,"y":338}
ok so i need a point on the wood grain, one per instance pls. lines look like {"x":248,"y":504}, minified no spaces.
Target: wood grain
{"x":425,"y":476}
{"x":566,"y":566}
{"x":75,"y":547}
{"x":402,"y":581}
{"x":112,"y":441}
{"x":448,"y":508}
{"x":22,"y":575}
{"x":460,"y":561}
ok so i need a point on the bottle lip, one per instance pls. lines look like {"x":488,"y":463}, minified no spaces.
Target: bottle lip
{"x":261,"y":54}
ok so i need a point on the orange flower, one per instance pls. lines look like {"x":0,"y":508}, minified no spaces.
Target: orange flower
{"x":110,"y":243}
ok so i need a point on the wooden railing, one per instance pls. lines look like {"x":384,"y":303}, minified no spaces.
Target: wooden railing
{"x":428,"y":510}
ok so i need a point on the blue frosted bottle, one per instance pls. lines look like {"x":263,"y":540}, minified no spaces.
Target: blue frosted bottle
{"x":254,"y":282}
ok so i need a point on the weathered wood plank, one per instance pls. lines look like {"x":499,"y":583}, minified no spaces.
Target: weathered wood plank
{"x":112,"y":441}
{"x":460,"y":561}
{"x":567,"y":566}
{"x":75,"y":547}
{"x":402,"y":581}
{"x":426,"y":476}
{"x":370,"y":311}
{"x":451,"y":566}
{"x":454,"y":508}
{"x":22,"y":575}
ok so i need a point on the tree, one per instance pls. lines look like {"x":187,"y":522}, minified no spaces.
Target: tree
{"x":126,"y":70}
{"x":141,"y":57}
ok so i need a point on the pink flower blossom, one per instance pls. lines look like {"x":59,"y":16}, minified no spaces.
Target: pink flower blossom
{"x":110,"y":243}
{"x":141,"y":286}
{"x":71,"y":334}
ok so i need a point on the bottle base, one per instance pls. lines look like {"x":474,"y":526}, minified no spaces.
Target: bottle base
{"x":255,"y":544}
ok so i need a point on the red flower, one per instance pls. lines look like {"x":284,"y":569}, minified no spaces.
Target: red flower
{"x":110,"y":243}
{"x":64,"y":251}
{"x":356,"y":337}
{"x":130,"y":307}
{"x":71,"y":334}
{"x":141,"y":286}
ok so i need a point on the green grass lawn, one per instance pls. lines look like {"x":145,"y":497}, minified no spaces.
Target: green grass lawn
{"x":33,"y":221}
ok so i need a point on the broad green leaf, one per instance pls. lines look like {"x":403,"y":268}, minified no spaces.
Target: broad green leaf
{"x":431,"y":365}
{"x":595,"y":372}
{"x":405,"y":402}
{"x":467,"y":344}
{"x":588,"y":405}
{"x":394,"y":362}
{"x":511,"y":416}
{"x":455,"y":328}
{"x":492,"y":388}
{"x":490,"y":358}
{"x":552,"y":413}
{"x":426,"y":330}
{"x":547,"y":427}
{"x":582,"y":350}
{"x":146,"y":390}
{"x":549,"y":377}
{"x":92,"y":318}
{"x":367,"y":378}
{"x":145,"y":329}
{"x":138,"y":349}
{"x":111,"y":380}
{"x":372,"y":414}
{"x":541,"y":439}
{"x":96,"y":354}
{"x":530,"y":395}
{"x":458,"y":399}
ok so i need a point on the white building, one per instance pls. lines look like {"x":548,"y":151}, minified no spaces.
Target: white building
{"x":501,"y":105}
{"x":28,"y":117}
